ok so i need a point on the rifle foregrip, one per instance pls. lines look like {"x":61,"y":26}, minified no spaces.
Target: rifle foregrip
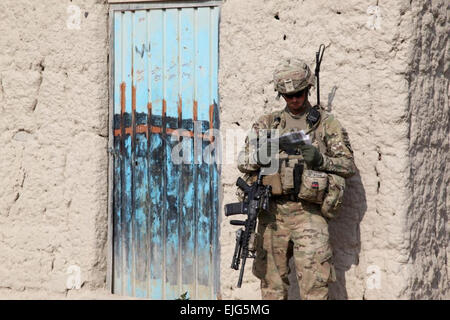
{"x":237,"y":223}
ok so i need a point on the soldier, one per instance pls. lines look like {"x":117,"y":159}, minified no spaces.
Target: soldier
{"x":294,"y":226}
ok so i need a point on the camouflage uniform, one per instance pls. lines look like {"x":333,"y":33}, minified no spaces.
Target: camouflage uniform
{"x":297,"y":228}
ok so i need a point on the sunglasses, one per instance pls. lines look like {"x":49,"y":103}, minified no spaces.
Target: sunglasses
{"x":294,"y":95}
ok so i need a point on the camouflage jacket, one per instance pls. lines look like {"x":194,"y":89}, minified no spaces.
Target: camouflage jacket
{"x":329,"y":136}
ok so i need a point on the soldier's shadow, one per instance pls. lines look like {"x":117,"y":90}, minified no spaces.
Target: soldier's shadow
{"x":345,"y":239}
{"x":345,"y":235}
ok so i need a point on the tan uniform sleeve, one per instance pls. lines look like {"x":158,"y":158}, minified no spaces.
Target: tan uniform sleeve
{"x":338,"y":158}
{"x":246,"y":159}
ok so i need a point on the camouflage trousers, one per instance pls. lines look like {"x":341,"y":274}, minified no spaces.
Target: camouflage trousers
{"x":293,"y":229}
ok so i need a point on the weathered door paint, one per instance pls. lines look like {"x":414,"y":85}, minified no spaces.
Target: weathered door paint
{"x":165,"y":215}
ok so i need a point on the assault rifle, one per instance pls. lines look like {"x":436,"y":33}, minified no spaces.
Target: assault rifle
{"x":256,"y":199}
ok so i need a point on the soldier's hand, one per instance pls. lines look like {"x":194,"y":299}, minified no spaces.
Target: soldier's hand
{"x":311,"y":155}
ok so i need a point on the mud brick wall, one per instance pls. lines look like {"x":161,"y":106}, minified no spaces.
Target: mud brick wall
{"x":384,"y":76}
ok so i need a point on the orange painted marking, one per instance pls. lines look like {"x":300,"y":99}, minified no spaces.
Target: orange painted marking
{"x":122,"y":97}
{"x":180,"y":112}
{"x":143,"y":128}
{"x":133,"y":107}
{"x":195,"y":110}
{"x":146,"y":129}
{"x":211,"y":125}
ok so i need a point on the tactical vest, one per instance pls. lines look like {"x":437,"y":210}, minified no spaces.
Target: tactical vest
{"x":322,"y":188}
{"x":277,"y":120}
{"x":293,"y":176}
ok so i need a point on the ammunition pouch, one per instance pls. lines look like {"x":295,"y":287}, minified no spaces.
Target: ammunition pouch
{"x":299,"y":183}
{"x":274,"y":180}
{"x":334,"y":196}
{"x":313,"y":186}
{"x":285,"y":182}
{"x":291,"y":168}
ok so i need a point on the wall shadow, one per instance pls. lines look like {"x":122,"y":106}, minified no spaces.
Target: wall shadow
{"x":345,"y":236}
{"x":345,"y":239}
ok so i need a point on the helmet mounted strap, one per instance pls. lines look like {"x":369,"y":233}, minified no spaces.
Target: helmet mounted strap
{"x":289,"y":85}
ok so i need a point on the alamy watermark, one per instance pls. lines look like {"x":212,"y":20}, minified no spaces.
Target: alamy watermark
{"x":73,"y":21}
{"x":374,"y":19}
{"x":214,"y":147}
{"x":374,"y":277}
{"x":74,"y":277}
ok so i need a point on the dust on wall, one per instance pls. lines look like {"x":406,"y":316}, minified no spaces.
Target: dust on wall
{"x":53,"y":137}
{"x":384,"y":75}
{"x":428,"y":133}
{"x":367,"y":76}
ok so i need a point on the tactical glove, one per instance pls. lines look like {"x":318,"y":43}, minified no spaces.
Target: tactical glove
{"x":311,"y":155}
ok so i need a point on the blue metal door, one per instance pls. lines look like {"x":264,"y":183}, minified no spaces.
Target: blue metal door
{"x":165,"y":215}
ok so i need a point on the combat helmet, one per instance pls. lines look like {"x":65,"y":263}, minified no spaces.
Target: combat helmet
{"x":292,"y":75}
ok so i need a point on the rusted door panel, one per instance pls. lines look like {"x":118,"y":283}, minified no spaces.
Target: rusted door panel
{"x":165,"y":239}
